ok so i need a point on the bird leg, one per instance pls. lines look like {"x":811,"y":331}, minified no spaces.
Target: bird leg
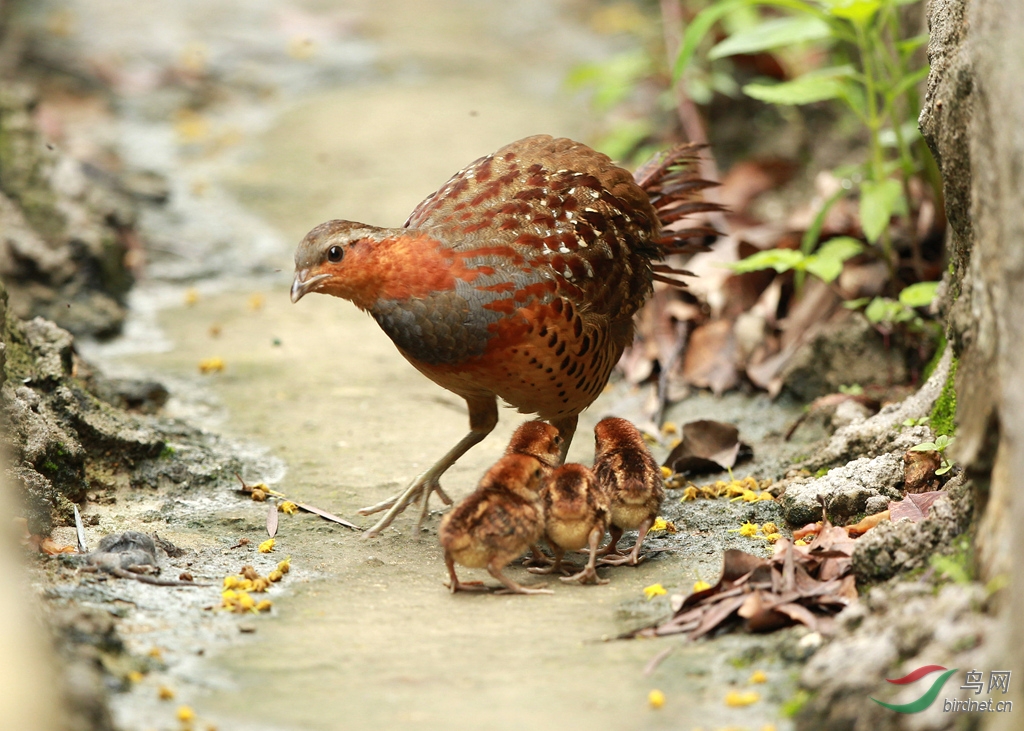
{"x":633,"y":558}
{"x":512,"y":587}
{"x":566,"y":429}
{"x":453,"y":583}
{"x":553,"y":567}
{"x":483,"y":417}
{"x":589,"y":574}
{"x":537,"y":557}
{"x":612,"y":549}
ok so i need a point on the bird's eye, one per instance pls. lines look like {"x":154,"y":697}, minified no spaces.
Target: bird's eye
{"x":537,"y":472}
{"x":557,"y":440}
{"x":334,"y":254}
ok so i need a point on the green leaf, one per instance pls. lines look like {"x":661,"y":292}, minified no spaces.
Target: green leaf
{"x":909,"y":81}
{"x":772,"y":34}
{"x":705,"y":20}
{"x":857,"y":303}
{"x":925,"y":447}
{"x":942,"y":441}
{"x":817,"y":86}
{"x":878,"y":201}
{"x":883,"y":309}
{"x":919,"y":295}
{"x":858,"y":11}
{"x":946,"y":467}
{"x":909,"y":45}
{"x":780,"y":260}
{"x":827,"y":263}
{"x":810,"y":237}
{"x":909,"y":130}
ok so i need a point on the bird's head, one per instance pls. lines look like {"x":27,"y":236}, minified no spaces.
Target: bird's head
{"x":613,"y":434}
{"x":537,"y":439}
{"x":331,"y":259}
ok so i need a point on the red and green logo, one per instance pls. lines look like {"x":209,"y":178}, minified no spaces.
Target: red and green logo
{"x":929,"y":696}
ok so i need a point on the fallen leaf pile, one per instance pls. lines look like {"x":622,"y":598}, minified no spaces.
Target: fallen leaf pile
{"x":798,"y":584}
{"x":802,"y":582}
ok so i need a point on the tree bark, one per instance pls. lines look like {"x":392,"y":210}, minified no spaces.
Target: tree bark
{"x":974,"y":122}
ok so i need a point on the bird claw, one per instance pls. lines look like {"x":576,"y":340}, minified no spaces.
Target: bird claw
{"x":466,"y":586}
{"x":586,"y":576}
{"x":420,"y":488}
{"x":622,"y":560}
{"x":535,"y":589}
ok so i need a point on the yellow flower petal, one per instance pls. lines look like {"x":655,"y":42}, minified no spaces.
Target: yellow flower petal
{"x":288,"y":507}
{"x":285,"y":566}
{"x":211,"y":365}
{"x":689,"y":493}
{"x":659,"y":524}
{"x":275,"y":575}
{"x":267,"y":546}
{"x":264,"y":605}
{"x":135,"y":676}
{"x":656,"y":698}
{"x":654,"y":590}
{"x":735,"y":698}
{"x":186,"y":714}
{"x":759,"y":676}
{"x":700,"y":586}
{"x":164,"y":693}
{"x":748,"y":529}
{"x":765,"y":496}
{"x":800,"y":542}
{"x":666,"y":472}
{"x":769,"y":528}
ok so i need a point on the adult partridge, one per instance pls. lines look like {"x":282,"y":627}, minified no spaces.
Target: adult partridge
{"x":517,"y":280}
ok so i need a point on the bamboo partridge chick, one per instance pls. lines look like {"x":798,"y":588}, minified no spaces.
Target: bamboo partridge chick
{"x":632,"y":479}
{"x":496,"y":523}
{"x":576,"y":515}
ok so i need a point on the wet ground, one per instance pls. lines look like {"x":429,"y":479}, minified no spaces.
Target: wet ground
{"x":367,"y":118}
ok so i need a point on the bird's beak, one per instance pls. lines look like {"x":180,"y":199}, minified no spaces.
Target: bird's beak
{"x":305,"y":284}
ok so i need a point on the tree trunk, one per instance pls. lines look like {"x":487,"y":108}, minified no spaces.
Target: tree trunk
{"x":974,"y":122}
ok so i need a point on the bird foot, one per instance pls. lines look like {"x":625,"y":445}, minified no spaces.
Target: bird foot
{"x":457,"y":586}
{"x":550,"y":569}
{"x":518,"y":589}
{"x":622,"y":559}
{"x":587,"y":576}
{"x":420,"y":488}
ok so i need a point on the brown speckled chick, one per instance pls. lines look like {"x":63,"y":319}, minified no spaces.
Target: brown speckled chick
{"x":576,"y":515}
{"x":496,"y":523}
{"x":632,"y":480}
{"x":539,"y":440}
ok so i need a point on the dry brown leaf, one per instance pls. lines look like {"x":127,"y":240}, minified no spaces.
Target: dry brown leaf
{"x":710,"y":360}
{"x":867,"y":524}
{"x":707,"y":446}
{"x":914,"y":507}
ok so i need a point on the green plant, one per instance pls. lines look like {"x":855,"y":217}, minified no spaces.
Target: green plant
{"x":872,"y":72}
{"x":887,"y":313}
{"x":939,"y":445}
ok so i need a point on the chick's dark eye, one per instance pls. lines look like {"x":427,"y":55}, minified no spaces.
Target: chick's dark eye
{"x":334,"y":254}
{"x":557,"y":440}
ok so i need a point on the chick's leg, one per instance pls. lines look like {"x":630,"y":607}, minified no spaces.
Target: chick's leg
{"x":612,"y":549}
{"x":589,"y":574}
{"x":453,"y":582}
{"x":554,"y":567}
{"x":512,"y":587}
{"x":483,"y":417}
{"x":633,"y":558}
